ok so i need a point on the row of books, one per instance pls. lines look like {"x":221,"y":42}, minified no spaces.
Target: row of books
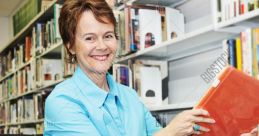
{"x":23,"y":16}
{"x":28,"y":130}
{"x":228,"y":9}
{"x":18,"y":83}
{"x":243,"y":51}
{"x":48,"y":71}
{"x":148,"y":77}
{"x":47,"y":34}
{"x":143,"y":26}
{"x":43,"y":36}
{"x":37,"y":74}
{"x":28,"y":108}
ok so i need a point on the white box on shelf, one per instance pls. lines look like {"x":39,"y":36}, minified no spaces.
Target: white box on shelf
{"x":174,"y":23}
{"x":151,"y":85}
{"x":150,"y":28}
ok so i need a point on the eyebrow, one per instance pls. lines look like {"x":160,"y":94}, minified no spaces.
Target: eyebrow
{"x":94,"y":33}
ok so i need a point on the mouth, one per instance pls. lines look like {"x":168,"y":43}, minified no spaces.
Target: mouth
{"x":100,"y":57}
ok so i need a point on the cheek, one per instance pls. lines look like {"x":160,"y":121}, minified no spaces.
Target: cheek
{"x":113,"y":47}
{"x":83,"y":50}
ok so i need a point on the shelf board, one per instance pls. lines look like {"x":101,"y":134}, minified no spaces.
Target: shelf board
{"x":48,"y":85}
{"x":239,"y":19}
{"x":20,"y":67}
{"x":172,"y":106}
{"x":185,"y":43}
{"x":51,"y":49}
{"x":2,"y":125}
{"x":24,"y":31}
{"x":171,"y":3}
{"x":25,"y":122}
{"x":34,"y":90}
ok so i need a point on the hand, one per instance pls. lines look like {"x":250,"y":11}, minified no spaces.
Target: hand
{"x":252,"y":133}
{"x":182,"y":124}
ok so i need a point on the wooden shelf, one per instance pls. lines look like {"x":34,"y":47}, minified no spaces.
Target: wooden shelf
{"x":34,"y":90}
{"x":20,"y":67}
{"x":25,"y":122}
{"x":27,"y":28}
{"x":53,"y":49}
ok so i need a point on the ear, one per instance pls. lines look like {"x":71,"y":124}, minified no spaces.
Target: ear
{"x":71,"y":48}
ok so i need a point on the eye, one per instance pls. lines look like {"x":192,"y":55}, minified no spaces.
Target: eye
{"x":109,"y":36}
{"x":90,"y":38}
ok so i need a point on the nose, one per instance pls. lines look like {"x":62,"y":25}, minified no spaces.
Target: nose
{"x":101,"y":45}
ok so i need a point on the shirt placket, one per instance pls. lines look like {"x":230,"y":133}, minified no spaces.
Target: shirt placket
{"x":112,"y":109}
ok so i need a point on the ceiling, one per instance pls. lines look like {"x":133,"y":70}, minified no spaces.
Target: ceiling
{"x":8,"y":6}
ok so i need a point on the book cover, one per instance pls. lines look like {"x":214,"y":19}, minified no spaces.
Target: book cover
{"x":233,"y":103}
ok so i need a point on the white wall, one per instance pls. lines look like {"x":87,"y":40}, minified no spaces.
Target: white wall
{"x":4,"y":31}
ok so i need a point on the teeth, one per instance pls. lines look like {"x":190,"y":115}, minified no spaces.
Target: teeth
{"x":100,"y":58}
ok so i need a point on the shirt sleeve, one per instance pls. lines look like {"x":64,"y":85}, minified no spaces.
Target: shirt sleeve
{"x":65,"y":117}
{"x":152,"y":125}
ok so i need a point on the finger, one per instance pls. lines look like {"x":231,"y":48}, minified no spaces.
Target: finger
{"x":197,"y":112}
{"x":254,"y":130}
{"x":197,"y":132}
{"x":202,"y":119}
{"x":246,"y":134}
{"x":204,"y":129}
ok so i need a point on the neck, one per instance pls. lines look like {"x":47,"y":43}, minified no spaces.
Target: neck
{"x":98,"y":78}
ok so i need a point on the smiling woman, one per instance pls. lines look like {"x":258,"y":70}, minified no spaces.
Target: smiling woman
{"x":91,"y":102}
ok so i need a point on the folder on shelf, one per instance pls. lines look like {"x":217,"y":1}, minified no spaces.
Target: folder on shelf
{"x":233,"y":101}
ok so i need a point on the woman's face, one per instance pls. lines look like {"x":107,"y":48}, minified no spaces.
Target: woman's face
{"x":95,"y":44}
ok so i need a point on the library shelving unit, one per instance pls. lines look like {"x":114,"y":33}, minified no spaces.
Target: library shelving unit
{"x":33,"y":95}
{"x":189,"y":55}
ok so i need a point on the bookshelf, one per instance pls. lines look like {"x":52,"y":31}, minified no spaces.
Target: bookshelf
{"x":194,"y":51}
{"x":43,"y":15}
{"x":53,"y":50}
{"x":167,"y":49}
{"x":187,"y":55}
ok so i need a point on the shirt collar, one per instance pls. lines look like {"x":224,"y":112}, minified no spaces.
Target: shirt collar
{"x":92,"y":92}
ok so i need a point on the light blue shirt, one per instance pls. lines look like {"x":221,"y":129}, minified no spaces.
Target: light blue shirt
{"x":77,"y":107}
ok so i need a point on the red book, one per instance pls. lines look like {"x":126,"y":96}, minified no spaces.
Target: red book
{"x":233,"y":102}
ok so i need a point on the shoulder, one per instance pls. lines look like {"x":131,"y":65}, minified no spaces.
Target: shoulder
{"x":66,"y":88}
{"x":63,"y":100}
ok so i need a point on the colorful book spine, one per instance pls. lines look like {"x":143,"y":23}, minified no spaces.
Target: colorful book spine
{"x":247,"y":51}
{"x":239,"y":54}
{"x":232,"y":52}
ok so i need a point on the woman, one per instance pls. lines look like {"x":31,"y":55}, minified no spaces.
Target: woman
{"x":91,"y":102}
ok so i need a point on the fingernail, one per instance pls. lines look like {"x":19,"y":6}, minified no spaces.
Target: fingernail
{"x":213,"y":121}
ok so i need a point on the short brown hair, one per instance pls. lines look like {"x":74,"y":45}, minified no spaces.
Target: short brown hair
{"x":71,"y":13}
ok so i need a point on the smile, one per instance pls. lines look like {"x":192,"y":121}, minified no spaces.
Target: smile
{"x":100,"y":57}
